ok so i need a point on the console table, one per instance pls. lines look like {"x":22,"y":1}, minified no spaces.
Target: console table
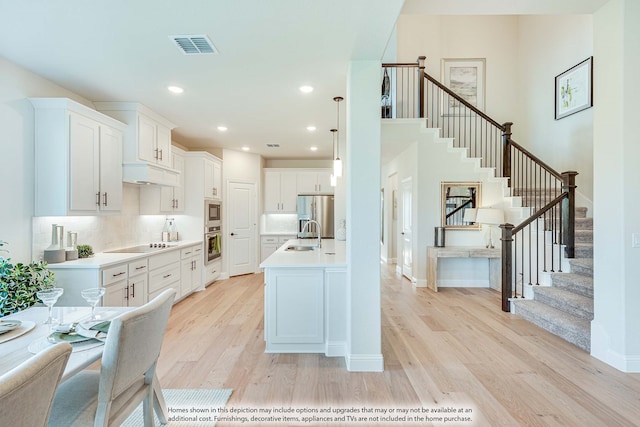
{"x":493,"y":255}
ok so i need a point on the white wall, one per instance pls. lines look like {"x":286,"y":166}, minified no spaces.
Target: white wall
{"x":615,"y":335}
{"x":523,"y":55}
{"x":547,"y":46}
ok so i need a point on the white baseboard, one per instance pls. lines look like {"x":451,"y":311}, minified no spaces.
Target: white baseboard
{"x":336,"y":349}
{"x":420,"y":283}
{"x":600,"y":350}
{"x":365,"y":362}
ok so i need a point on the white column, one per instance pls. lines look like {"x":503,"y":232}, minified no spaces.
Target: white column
{"x":364,"y":348}
{"x":615,"y":335}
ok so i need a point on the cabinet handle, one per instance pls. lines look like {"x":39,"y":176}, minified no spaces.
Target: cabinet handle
{"x":126,"y":293}
{"x":119,"y":274}
{"x":160,"y":154}
{"x":176,"y":203}
{"x":141,"y":267}
{"x":98,"y":198}
{"x":106,"y":201}
{"x":156,"y":155}
{"x":187,"y":253}
{"x":168,"y":275}
{"x":133,"y":290}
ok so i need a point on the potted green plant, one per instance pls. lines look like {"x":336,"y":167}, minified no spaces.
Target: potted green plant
{"x":19,"y":283}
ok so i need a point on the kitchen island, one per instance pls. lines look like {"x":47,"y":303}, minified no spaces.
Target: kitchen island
{"x":305,"y":307}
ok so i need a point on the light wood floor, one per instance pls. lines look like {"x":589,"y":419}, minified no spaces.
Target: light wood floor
{"x":452,"y":347}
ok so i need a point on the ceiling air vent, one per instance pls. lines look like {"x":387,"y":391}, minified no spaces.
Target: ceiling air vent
{"x":273,"y":145}
{"x":194,"y":45}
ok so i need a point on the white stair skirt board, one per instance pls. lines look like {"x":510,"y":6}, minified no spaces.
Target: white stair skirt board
{"x":365,"y":362}
{"x":205,"y":401}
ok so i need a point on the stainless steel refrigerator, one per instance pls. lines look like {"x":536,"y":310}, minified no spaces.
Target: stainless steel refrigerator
{"x":319,"y":208}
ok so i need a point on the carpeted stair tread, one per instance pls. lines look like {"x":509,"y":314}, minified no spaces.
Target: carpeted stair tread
{"x":584,"y":223}
{"x":567,"y":301}
{"x":577,"y":283}
{"x":584,"y":236}
{"x":584,"y":250}
{"x":582,"y":266}
{"x":568,"y":327}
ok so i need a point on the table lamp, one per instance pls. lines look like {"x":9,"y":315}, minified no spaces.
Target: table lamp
{"x":491,"y":217}
{"x":469,"y":215}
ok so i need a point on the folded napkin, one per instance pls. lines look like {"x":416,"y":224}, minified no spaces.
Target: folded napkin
{"x":94,"y":329}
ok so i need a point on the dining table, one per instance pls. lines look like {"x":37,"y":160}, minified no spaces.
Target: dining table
{"x":21,"y":343}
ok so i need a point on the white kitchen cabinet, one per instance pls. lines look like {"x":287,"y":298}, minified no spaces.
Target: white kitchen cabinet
{"x":155,"y":199}
{"x":125,"y":284}
{"x":78,"y":159}
{"x":212,"y":271}
{"x":164,"y":273}
{"x":191,"y":269}
{"x":147,"y":153}
{"x":314,"y":182}
{"x":280,"y":191}
{"x":294,"y":309}
{"x":212,"y":179}
{"x":270,"y":244}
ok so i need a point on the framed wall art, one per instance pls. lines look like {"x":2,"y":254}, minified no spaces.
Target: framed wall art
{"x":574,"y":89}
{"x":466,"y":78}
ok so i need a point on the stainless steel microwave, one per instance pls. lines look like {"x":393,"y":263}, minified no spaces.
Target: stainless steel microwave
{"x":212,"y":212}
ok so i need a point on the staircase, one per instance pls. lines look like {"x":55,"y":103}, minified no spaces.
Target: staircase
{"x":553,"y":238}
{"x":566,"y":307}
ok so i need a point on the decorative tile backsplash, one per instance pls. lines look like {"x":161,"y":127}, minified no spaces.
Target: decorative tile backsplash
{"x":103,"y":232}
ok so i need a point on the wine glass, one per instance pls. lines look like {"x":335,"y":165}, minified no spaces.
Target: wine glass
{"x":49,"y":298}
{"x":92,"y":296}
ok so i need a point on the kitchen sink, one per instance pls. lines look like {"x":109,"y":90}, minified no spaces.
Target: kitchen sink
{"x":300,"y":248}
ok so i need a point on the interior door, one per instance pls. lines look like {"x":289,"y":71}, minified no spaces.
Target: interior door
{"x":241,"y":228}
{"x":406,"y":234}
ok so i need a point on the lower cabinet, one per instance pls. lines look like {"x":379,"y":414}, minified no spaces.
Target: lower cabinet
{"x":270,"y":244}
{"x":164,"y":273}
{"x":305,"y":311}
{"x":190,"y":269}
{"x":212,"y":271}
{"x":130,"y":290}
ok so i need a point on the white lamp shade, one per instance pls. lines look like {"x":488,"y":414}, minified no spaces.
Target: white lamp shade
{"x":334,"y":180}
{"x":469,"y":215}
{"x":489,"y":216}
{"x":337,"y":167}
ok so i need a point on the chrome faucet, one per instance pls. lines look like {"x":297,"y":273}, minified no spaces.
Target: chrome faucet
{"x":319,"y":231}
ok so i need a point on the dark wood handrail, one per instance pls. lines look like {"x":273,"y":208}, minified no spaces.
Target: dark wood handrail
{"x":535,"y":159}
{"x":400,"y":64}
{"x":539,"y":212}
{"x":462,"y":101}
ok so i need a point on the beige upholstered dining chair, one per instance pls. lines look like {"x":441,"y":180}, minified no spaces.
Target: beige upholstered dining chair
{"x":126,"y":375}
{"x":26,"y":391}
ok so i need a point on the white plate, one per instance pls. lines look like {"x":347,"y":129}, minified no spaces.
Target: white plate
{"x":25,"y":327}
{"x":9,"y":325}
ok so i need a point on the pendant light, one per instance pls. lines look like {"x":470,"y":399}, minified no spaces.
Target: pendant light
{"x":334,"y":179}
{"x":337,"y":163}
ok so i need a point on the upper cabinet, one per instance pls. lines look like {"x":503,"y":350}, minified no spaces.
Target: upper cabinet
{"x":78,"y":159}
{"x":280,"y":191}
{"x":147,"y":154}
{"x":156,"y":199}
{"x":212,"y":178}
{"x":315,"y":182}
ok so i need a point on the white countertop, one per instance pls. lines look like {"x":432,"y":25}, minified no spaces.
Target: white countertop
{"x":101,"y":259}
{"x":333,"y":253}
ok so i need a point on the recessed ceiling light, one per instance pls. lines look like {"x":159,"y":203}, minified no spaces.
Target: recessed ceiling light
{"x":314,"y":148}
{"x":245,"y":148}
{"x":306,"y":89}
{"x":175,"y":89}
{"x":222,"y":128}
{"x":311,"y":128}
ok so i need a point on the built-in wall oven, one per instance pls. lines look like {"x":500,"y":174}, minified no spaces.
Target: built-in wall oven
{"x":213,"y":243}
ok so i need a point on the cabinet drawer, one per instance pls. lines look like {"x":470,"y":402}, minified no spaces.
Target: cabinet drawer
{"x":187,"y":252}
{"x":163,"y":277}
{"x":138,"y":267}
{"x":114,"y":274}
{"x":283,"y":239}
{"x":269,"y":239}
{"x":157,"y":261}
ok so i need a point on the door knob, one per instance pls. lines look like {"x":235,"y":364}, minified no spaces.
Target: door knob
{"x":233,"y":234}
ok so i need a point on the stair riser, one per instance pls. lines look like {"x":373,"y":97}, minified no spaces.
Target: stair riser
{"x":580,"y":269}
{"x":581,"y":339}
{"x":564,"y":305}
{"x":583,"y":252}
{"x":584,"y":236}
{"x":563,"y":283}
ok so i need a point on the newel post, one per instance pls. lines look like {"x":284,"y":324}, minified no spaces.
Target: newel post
{"x":506,"y":152}
{"x":569,"y":213}
{"x":421,"y":60}
{"x":507,"y":265}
